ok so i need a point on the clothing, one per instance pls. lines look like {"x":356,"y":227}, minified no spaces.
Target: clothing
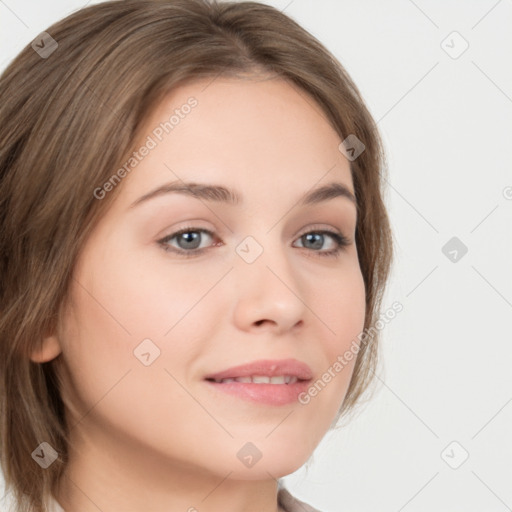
{"x":53,"y":506}
{"x":284,"y":498}
{"x":289,"y":503}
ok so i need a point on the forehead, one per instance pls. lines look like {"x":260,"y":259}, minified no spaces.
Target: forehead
{"x":249,"y":134}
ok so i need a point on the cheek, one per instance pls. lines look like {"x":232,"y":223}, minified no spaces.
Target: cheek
{"x":128,"y":299}
{"x":107,"y":384}
{"x":342,"y":308}
{"x":119,"y":304}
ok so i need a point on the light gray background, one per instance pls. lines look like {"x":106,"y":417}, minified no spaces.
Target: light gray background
{"x":446,"y":123}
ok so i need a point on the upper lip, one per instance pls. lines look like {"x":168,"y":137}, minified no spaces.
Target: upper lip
{"x":268,"y":368}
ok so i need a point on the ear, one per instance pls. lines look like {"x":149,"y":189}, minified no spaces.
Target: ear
{"x":48,"y":349}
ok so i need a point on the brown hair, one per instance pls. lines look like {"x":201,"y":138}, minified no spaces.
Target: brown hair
{"x":69,"y":119}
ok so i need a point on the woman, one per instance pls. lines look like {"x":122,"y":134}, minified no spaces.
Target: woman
{"x":193,"y":243}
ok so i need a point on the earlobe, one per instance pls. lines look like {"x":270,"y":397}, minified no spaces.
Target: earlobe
{"x":48,"y":349}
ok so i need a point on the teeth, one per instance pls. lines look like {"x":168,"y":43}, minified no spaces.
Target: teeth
{"x":262,"y":379}
{"x":257,"y":379}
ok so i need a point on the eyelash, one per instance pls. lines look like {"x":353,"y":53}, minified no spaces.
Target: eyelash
{"x":340,"y":240}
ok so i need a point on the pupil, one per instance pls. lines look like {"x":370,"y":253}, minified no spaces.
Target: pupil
{"x":319,"y":239}
{"x":191,"y":237}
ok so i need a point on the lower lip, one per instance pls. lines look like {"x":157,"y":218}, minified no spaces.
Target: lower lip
{"x":270,"y":394}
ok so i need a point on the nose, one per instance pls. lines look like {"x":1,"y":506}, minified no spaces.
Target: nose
{"x":268,"y":294}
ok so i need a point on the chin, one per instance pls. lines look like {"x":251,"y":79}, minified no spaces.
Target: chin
{"x":274,"y":462}
{"x":261,"y":471}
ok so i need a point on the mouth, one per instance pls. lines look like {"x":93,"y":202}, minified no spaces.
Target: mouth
{"x":268,"y":382}
{"x":260,"y":379}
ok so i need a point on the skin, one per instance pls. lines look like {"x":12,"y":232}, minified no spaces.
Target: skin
{"x":157,"y":438}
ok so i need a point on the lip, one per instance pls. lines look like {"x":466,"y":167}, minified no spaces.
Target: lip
{"x":268,"y":394}
{"x":268,"y":368}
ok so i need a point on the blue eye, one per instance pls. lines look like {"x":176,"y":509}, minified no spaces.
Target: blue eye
{"x":317,"y":238}
{"x":186,"y":244}
{"x":189,"y":241}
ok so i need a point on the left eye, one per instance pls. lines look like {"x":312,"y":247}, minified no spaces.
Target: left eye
{"x":189,"y":240}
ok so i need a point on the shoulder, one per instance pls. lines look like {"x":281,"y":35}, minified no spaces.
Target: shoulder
{"x":291,"y":504}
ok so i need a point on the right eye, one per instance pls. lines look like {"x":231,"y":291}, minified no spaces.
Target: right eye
{"x":188,"y":246}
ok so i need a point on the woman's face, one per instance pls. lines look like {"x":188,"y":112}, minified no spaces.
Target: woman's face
{"x":153,"y":314}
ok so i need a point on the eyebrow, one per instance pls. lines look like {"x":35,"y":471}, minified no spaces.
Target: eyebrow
{"x":219,"y":193}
